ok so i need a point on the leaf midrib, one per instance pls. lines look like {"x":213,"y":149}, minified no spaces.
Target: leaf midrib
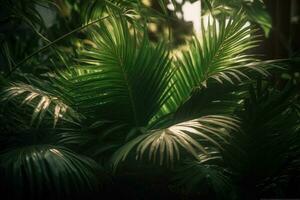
{"x":130,"y":93}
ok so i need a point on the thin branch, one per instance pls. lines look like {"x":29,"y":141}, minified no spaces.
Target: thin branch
{"x":19,"y":64}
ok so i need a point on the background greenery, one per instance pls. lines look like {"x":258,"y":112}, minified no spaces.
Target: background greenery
{"x":95,"y":103}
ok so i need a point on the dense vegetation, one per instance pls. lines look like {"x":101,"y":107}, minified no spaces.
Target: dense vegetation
{"x":92,"y":105}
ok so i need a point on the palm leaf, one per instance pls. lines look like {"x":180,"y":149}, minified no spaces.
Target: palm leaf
{"x":197,"y":177}
{"x":167,"y":142}
{"x":255,"y":11}
{"x":218,"y":98}
{"x":41,"y":101}
{"x":39,"y":170}
{"x":269,"y":146}
{"x":220,"y":53}
{"x":124,"y":78}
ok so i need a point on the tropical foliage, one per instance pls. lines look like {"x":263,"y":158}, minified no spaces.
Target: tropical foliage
{"x":120,"y":105}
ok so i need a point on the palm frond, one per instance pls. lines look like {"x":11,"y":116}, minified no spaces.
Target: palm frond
{"x":41,"y":101}
{"x":39,"y":170}
{"x":220,"y":53}
{"x":223,"y":99}
{"x":255,"y":11}
{"x":191,"y":136}
{"x":123,"y":78}
{"x":197,"y":177}
{"x":269,"y":146}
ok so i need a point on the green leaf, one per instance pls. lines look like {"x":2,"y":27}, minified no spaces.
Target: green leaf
{"x":221,"y":53}
{"x":123,"y":74}
{"x":40,"y":100}
{"x":40,"y":170}
{"x":195,"y":177}
{"x":168,"y":142}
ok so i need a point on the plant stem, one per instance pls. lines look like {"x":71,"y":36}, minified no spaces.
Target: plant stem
{"x":19,"y":64}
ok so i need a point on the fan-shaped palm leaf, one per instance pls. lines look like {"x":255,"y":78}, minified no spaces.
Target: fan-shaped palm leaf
{"x":46,"y":171}
{"x":167,"y":142}
{"x":40,"y":100}
{"x":196,"y":177}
